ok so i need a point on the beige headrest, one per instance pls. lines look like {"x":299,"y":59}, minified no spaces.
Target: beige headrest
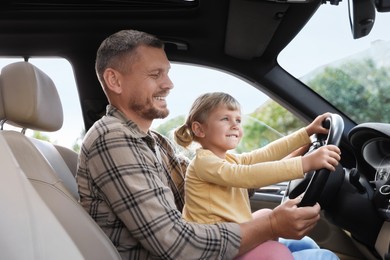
{"x":2,"y":113}
{"x":30,"y":98}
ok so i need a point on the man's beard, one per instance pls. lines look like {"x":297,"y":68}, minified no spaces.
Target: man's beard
{"x":147,"y":110}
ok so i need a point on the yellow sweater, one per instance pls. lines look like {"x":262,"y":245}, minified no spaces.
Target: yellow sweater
{"x":216,"y":189}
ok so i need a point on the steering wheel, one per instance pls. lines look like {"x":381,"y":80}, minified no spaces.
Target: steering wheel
{"x":315,"y":181}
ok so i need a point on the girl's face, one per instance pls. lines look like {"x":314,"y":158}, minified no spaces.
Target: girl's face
{"x":222,"y":131}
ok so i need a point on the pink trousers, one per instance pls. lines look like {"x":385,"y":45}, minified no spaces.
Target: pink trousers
{"x":270,"y":250}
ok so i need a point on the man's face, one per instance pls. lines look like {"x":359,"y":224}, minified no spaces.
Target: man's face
{"x":146,"y":84}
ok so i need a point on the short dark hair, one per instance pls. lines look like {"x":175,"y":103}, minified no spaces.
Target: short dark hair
{"x":120,"y":44}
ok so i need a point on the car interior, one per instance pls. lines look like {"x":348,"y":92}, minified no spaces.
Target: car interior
{"x":59,"y":228}
{"x":39,"y":197}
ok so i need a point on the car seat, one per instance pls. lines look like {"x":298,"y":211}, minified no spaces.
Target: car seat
{"x":46,"y":187}
{"x":29,"y":229}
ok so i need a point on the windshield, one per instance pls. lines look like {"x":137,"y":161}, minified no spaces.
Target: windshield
{"x":352,"y":74}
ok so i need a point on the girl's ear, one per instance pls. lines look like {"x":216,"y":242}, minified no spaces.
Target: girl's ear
{"x":197,"y":129}
{"x":112,"y":79}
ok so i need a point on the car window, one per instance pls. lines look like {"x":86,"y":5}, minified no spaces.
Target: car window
{"x":264,"y":120}
{"x":352,"y":74}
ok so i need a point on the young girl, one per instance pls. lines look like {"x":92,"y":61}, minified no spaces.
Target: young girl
{"x":217,"y":180}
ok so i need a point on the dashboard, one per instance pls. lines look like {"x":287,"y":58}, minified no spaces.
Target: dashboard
{"x":376,"y":152}
{"x":363,"y":193}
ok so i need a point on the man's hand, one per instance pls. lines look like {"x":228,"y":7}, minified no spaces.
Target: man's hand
{"x":286,"y":220}
{"x":290,"y":221}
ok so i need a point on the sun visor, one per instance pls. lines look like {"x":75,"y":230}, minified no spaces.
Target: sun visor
{"x":246,"y":39}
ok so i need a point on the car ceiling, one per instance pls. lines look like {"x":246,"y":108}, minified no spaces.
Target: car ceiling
{"x":237,"y":35}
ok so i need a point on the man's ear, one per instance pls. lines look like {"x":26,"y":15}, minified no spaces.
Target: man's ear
{"x":197,"y":129}
{"x":111,"y":77}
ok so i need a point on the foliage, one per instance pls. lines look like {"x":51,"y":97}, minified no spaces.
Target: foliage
{"x":266,"y":124}
{"x":40,"y":136}
{"x":168,"y":127}
{"x":77,"y":143}
{"x":353,"y":87}
{"x":167,"y":130}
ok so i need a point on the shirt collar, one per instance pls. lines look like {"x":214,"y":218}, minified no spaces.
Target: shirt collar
{"x":133,"y":127}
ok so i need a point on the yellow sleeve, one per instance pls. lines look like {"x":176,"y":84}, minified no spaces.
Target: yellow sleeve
{"x":278,"y":149}
{"x":226,"y":172}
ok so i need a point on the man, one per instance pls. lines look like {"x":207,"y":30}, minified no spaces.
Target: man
{"x":132,"y":183}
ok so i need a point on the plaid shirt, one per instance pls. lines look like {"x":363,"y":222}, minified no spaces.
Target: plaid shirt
{"x":132,"y":184}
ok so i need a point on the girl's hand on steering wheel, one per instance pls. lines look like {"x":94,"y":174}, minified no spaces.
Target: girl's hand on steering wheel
{"x":325,"y":157}
{"x":317,"y":127}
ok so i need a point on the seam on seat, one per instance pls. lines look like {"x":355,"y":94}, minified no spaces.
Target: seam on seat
{"x":60,"y":167}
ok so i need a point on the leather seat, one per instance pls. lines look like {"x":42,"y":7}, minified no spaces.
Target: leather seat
{"x":45,"y":190}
